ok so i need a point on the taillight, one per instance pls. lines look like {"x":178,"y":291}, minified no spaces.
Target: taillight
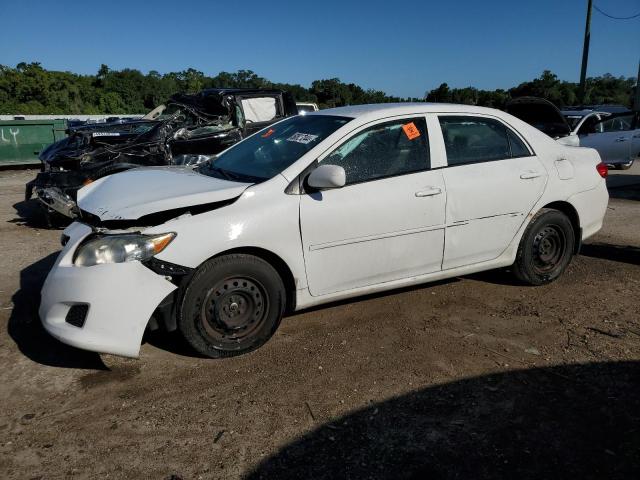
{"x":602,"y":170}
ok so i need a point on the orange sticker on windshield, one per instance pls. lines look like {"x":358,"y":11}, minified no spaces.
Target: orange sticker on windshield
{"x":410,"y":130}
{"x":268,"y":133}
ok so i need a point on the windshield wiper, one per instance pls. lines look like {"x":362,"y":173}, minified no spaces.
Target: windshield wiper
{"x":229,"y":175}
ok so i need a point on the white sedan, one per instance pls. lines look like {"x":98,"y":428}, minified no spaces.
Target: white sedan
{"x":313,"y":209}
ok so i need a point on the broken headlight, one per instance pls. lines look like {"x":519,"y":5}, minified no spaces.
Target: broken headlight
{"x":119,"y":248}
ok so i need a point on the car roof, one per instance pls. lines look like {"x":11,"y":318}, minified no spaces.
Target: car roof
{"x":408,"y":108}
{"x":239,"y":91}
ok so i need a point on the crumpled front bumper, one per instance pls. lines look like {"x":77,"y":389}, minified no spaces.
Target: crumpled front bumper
{"x":69,"y":182}
{"x":120,"y":297}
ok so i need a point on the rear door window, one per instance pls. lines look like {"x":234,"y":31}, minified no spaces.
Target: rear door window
{"x":617,"y":124}
{"x":470,"y":139}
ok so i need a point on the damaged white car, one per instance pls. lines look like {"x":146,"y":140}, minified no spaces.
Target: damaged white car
{"x":316,"y":208}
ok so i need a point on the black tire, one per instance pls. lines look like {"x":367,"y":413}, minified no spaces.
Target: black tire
{"x":232,"y":305}
{"x":545,"y":249}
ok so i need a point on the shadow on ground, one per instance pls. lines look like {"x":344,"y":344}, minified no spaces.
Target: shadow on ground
{"x":617,"y":253}
{"x":172,"y":342}
{"x":575,"y":421}
{"x":624,"y":186}
{"x":500,"y":276}
{"x":31,"y":214}
{"x":25,"y":328}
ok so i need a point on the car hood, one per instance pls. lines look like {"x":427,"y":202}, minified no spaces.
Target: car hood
{"x":136,"y":193}
{"x":541,"y":114}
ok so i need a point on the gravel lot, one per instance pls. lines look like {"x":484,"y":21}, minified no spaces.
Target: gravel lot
{"x":475,"y":377}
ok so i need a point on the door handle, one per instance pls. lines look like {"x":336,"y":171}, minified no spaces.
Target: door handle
{"x":529,"y":174}
{"x":621,"y":139}
{"x":430,"y":191}
{"x":637,"y":135}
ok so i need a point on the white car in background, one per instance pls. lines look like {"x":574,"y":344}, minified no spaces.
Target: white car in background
{"x":304,"y":108}
{"x":313,"y":209}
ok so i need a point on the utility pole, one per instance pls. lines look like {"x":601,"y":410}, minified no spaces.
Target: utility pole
{"x":636,"y":103}
{"x":585,"y":53}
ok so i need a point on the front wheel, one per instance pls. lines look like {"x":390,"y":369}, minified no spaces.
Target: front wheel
{"x":232,"y":305}
{"x":545,"y":249}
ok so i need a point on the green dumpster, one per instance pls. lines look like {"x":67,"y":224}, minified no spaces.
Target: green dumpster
{"x":22,"y":140}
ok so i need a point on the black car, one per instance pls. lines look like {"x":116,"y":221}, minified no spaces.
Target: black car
{"x":187,"y":130}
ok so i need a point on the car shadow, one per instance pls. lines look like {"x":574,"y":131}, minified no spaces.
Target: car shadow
{"x":172,"y":342}
{"x":31,"y":214}
{"x":370,"y":296}
{"x":500,"y":276}
{"x":624,"y":186}
{"x":27,"y":332}
{"x":617,"y":253}
{"x":570,"y":421}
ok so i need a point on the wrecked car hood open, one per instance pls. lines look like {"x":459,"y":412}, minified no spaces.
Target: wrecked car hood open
{"x":140,"y":192}
{"x":541,"y":114}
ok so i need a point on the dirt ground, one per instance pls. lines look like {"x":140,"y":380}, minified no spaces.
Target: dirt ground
{"x":476,"y":377}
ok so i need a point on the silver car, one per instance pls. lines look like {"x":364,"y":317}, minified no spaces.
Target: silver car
{"x":616,"y":137}
{"x":581,"y":121}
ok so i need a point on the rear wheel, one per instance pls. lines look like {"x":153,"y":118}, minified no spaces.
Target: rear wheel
{"x":546,"y":248}
{"x":232,"y":305}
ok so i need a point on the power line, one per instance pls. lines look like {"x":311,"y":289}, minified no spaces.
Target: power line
{"x":616,"y":18}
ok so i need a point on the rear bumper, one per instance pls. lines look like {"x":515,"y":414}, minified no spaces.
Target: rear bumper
{"x":120,"y":299}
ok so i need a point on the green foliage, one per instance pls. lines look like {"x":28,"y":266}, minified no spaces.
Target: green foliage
{"x":30,"y":89}
{"x":600,"y":90}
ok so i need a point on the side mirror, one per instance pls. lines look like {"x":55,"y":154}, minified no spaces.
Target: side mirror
{"x":327,"y":176}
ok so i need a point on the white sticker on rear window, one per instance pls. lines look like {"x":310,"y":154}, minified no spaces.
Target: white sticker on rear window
{"x":302,"y":138}
{"x":105,"y":134}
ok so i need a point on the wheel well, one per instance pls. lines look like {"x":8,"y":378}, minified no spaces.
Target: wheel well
{"x":570,"y":211}
{"x":276,"y":262}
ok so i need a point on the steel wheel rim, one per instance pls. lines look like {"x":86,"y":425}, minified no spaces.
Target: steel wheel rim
{"x":549,"y":247}
{"x":233,"y":310}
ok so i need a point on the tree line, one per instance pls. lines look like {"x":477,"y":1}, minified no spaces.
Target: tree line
{"x":30,"y":89}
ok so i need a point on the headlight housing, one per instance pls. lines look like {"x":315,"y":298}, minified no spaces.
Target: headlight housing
{"x":119,"y":248}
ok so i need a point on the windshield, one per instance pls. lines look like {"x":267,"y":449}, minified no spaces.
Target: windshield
{"x":271,"y":150}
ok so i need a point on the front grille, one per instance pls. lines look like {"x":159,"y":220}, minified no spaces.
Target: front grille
{"x":76,"y":315}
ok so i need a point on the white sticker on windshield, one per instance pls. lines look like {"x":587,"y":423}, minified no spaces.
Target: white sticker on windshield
{"x":105,"y":134}
{"x":302,"y":138}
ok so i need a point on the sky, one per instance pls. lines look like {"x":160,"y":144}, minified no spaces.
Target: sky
{"x":401,"y":47}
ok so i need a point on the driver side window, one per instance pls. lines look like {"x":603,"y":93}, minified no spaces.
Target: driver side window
{"x":617,"y":124}
{"x":384,"y":150}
